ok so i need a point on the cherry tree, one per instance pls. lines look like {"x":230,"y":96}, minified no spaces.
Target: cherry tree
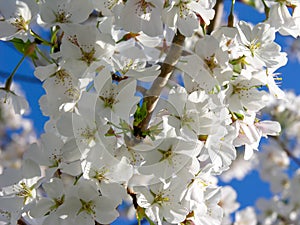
{"x":150,"y":102}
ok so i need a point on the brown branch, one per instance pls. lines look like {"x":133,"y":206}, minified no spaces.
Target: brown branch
{"x":216,"y":22}
{"x":167,"y":67}
{"x":96,"y":223}
{"x":21,"y":221}
{"x":287,"y":151}
{"x":141,"y":89}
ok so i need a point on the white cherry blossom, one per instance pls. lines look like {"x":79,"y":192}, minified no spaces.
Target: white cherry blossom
{"x":183,"y":14}
{"x":66,"y":11}
{"x":257,"y":44}
{"x":16,"y":20}
{"x":141,"y":15}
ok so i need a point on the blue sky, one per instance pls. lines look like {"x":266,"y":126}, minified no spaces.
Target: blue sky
{"x":248,"y":190}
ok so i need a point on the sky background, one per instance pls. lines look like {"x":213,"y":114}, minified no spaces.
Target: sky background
{"x":249,"y":189}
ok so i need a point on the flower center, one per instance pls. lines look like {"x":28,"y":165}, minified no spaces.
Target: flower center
{"x":253,"y":46}
{"x":62,"y":77}
{"x":88,"y":56}
{"x":88,"y":135}
{"x":72,"y":93}
{"x":166,"y":155}
{"x":88,"y":207}
{"x":211,"y":63}
{"x":159,"y":199}
{"x":57,"y":202}
{"x":20,"y":23}
{"x":144,"y":9}
{"x":183,"y":8}
{"x":100,"y":175}
{"x":62,"y":16}
{"x":109,"y":4}
{"x":25,"y":192}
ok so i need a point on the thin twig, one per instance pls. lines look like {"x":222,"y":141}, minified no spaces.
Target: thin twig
{"x":287,"y":151}
{"x":21,"y":77}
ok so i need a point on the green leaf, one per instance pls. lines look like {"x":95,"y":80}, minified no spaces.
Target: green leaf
{"x":140,"y":114}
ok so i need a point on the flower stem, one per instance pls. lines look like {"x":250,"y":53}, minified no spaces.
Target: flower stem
{"x":37,"y":36}
{"x":267,"y":9}
{"x":11,"y":76}
{"x":44,"y":56}
{"x":231,"y":16}
{"x":53,"y":40}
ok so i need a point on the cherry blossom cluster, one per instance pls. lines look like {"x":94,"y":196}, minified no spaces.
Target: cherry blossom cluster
{"x":16,"y":135}
{"x":147,"y":102}
{"x":277,"y":165}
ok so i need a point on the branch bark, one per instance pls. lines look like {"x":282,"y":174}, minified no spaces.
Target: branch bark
{"x":216,"y":22}
{"x":167,"y":67}
{"x":152,"y":95}
{"x":21,"y":221}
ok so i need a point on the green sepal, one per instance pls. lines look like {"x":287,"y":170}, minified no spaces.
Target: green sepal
{"x":23,"y":47}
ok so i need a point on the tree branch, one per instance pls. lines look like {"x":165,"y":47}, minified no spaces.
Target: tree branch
{"x":287,"y":151}
{"x":167,"y":67}
{"x":216,"y":22}
{"x":21,"y":221}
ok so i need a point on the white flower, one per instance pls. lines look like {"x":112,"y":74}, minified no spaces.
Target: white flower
{"x":84,"y":205}
{"x":257,"y":44}
{"x":239,"y":168}
{"x":82,"y":51}
{"x":191,"y":113}
{"x":209,"y":67}
{"x":182,"y":14}
{"x":48,"y":153}
{"x":243,"y":95}
{"x":228,"y":201}
{"x":50,"y":204}
{"x":246,"y":216}
{"x":17,"y":16}
{"x":106,"y":7}
{"x":220,"y":149}
{"x":281,"y":19}
{"x":194,"y":197}
{"x":215,"y":59}
{"x":56,"y":154}
{"x":111,"y":177}
{"x":116,"y":100}
{"x":136,"y":47}
{"x":10,"y":210}
{"x":268,"y":78}
{"x":212,"y":213}
{"x":19,"y":103}
{"x":63,"y":88}
{"x":18,"y":190}
{"x":250,"y":133}
{"x":172,"y":155}
{"x":162,"y":201}
{"x":141,"y":15}
{"x":54,"y":12}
